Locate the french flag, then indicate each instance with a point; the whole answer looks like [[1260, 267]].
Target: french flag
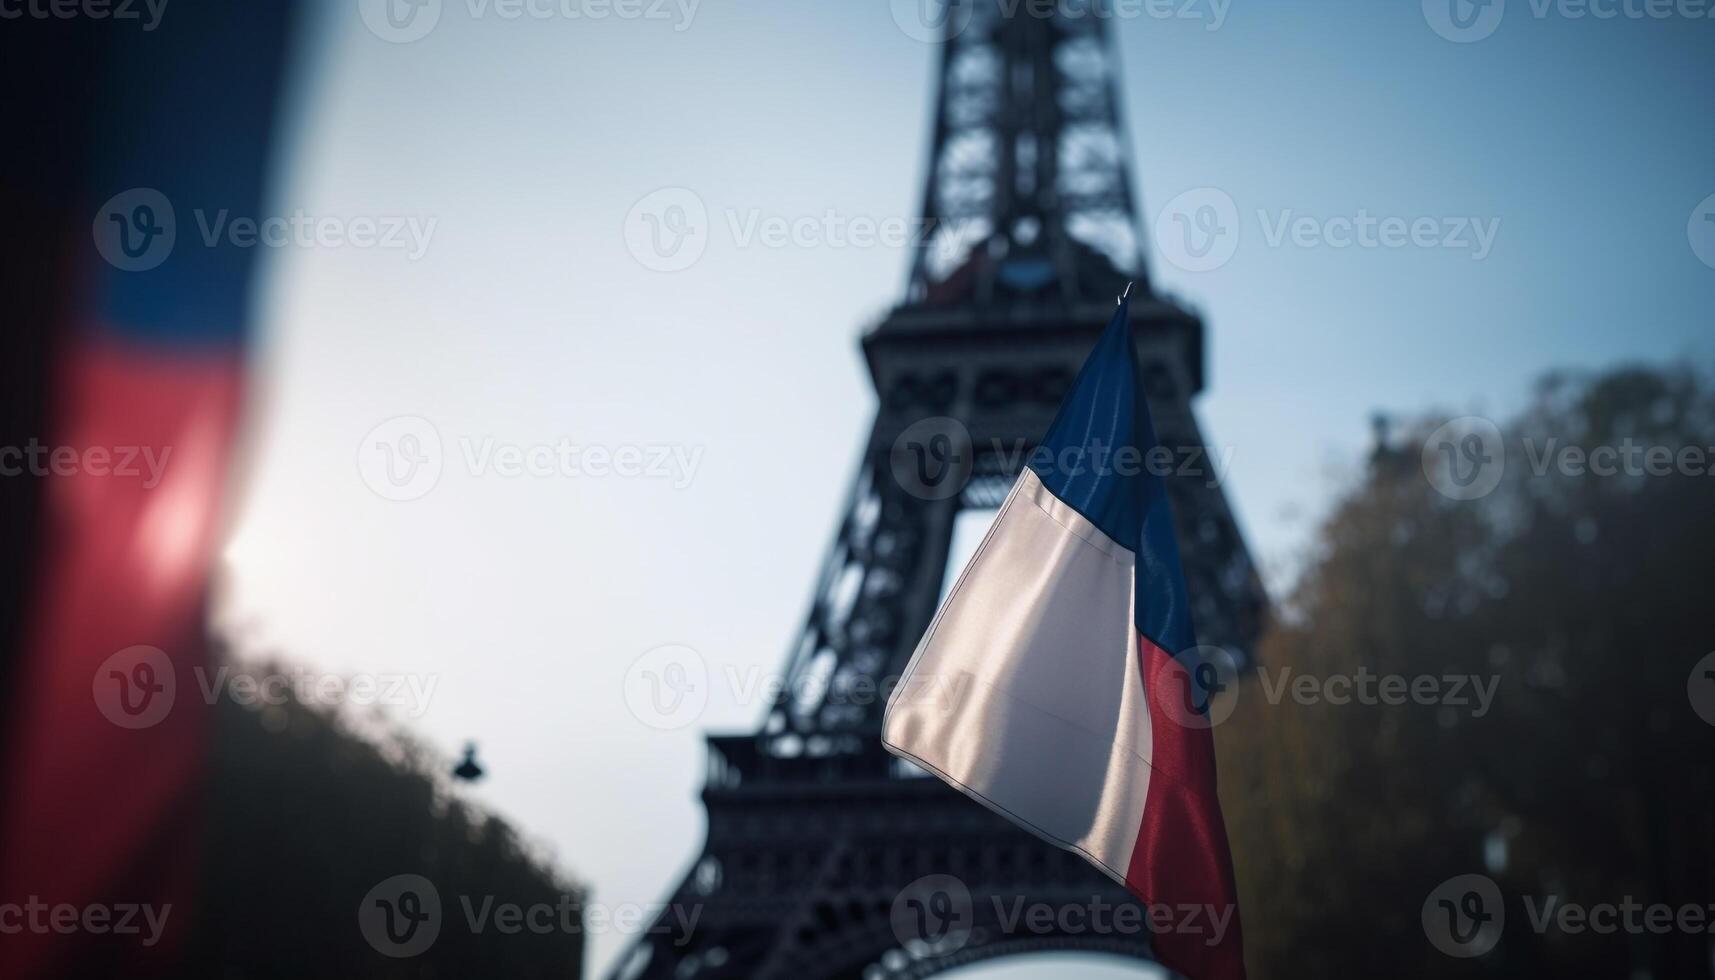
[[105, 734], [1085, 719]]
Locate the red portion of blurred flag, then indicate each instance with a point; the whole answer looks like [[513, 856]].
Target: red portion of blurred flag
[[134, 370], [107, 734]]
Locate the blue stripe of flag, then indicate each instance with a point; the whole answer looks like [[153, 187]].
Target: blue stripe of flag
[[1080, 461]]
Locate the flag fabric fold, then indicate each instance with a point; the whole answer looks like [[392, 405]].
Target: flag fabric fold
[[106, 732], [1084, 716]]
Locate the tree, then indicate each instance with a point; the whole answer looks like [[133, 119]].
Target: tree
[[1580, 588], [306, 816]]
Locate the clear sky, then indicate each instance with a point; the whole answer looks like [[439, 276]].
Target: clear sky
[[1583, 146]]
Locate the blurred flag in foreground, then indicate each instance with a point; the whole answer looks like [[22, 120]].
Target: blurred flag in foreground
[[1088, 720], [141, 372]]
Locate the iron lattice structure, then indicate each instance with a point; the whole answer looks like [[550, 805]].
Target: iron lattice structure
[[814, 830]]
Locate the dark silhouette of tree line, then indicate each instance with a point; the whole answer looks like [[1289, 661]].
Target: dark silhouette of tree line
[[1587, 601], [306, 815]]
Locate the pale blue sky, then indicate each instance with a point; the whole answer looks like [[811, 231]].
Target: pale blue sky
[[527, 320]]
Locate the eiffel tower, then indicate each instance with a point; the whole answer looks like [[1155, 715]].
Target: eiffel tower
[[826, 856]]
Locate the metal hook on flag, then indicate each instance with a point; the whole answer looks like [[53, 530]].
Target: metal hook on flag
[[1123, 295]]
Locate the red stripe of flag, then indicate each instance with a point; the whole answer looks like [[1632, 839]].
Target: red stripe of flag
[[1181, 857]]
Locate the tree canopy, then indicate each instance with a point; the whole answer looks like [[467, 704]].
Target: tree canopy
[[1579, 589]]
